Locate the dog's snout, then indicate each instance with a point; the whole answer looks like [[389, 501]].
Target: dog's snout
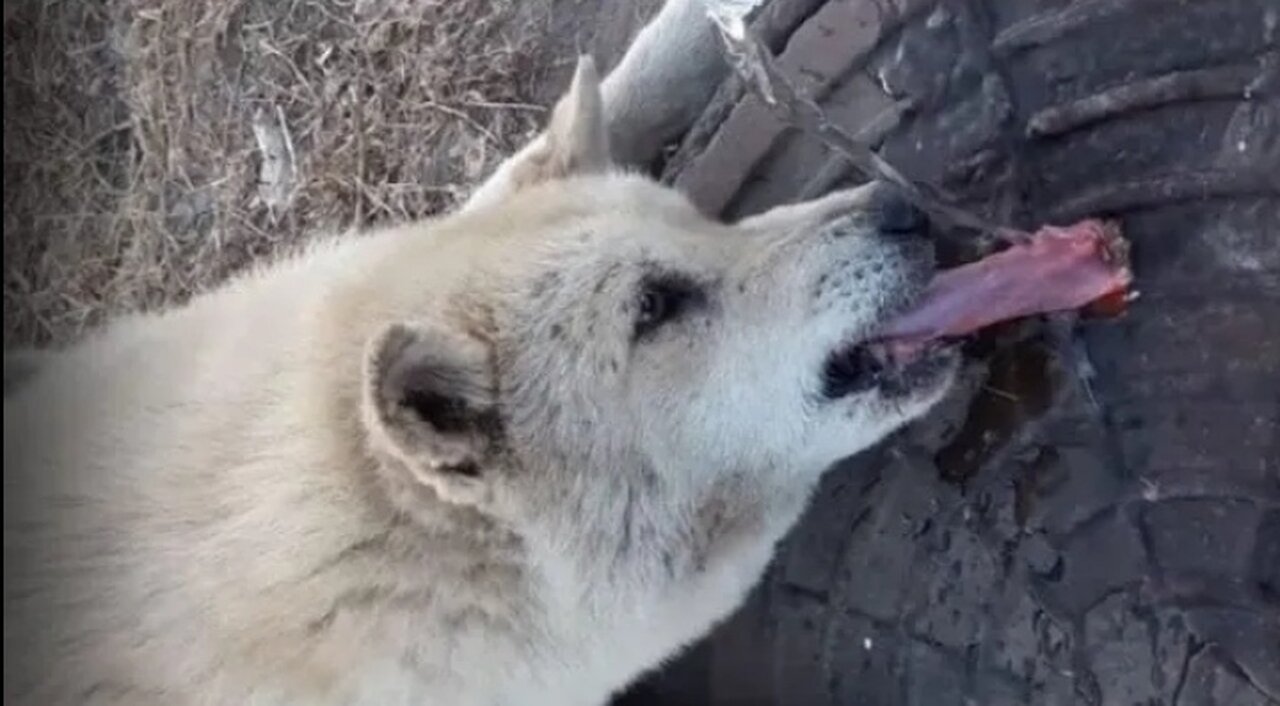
[[895, 214]]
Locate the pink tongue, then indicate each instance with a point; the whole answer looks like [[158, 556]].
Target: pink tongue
[[1056, 269]]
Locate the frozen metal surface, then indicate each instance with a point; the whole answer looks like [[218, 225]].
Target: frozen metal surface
[[1094, 517]]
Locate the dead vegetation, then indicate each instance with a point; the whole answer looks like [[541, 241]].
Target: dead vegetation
[[152, 147]]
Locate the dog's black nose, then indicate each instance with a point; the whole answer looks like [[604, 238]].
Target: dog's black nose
[[896, 215]]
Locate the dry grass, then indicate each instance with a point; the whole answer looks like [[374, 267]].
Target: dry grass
[[135, 131]]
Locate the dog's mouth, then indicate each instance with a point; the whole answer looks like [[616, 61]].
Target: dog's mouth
[[890, 367], [894, 369], [1055, 269]]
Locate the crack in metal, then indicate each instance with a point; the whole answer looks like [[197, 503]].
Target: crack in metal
[[1194, 647]]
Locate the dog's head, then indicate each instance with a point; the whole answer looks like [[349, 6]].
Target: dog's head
[[609, 361]]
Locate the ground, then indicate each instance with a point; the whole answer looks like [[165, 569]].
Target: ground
[[153, 148]]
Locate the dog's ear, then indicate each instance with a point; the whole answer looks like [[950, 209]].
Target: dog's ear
[[576, 140], [429, 403]]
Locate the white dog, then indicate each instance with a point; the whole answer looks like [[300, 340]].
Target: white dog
[[518, 455]]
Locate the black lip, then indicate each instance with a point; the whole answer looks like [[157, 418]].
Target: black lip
[[851, 370], [860, 368], [922, 373]]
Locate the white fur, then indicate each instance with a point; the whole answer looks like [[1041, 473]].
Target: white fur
[[436, 463]]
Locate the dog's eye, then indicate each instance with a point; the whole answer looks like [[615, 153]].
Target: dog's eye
[[657, 306], [661, 301]]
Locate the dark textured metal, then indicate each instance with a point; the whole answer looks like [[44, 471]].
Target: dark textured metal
[[1115, 538]]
